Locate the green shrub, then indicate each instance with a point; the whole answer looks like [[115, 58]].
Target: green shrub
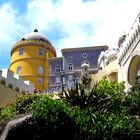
[[103, 97], [54, 120], [17, 89], [3, 82], [10, 86], [22, 105], [84, 123], [99, 113]]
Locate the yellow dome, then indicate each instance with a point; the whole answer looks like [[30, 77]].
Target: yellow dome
[[30, 59]]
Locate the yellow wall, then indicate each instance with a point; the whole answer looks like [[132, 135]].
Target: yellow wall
[[7, 95], [30, 61], [110, 71]]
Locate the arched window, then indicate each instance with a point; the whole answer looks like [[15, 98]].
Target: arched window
[[70, 67], [18, 71], [21, 50], [40, 70], [57, 69], [41, 52], [40, 80]]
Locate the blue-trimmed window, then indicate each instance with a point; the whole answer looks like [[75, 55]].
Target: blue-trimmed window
[[41, 52], [18, 71], [21, 51], [40, 80]]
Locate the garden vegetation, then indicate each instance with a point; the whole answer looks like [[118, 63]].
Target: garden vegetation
[[102, 112]]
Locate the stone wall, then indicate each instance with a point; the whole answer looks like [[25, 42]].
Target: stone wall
[[16, 81]]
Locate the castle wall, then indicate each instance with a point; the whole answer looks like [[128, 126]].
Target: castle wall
[[16, 81], [129, 56]]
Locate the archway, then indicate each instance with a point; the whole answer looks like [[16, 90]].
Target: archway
[[133, 69]]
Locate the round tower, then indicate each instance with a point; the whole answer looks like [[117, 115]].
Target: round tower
[[30, 59]]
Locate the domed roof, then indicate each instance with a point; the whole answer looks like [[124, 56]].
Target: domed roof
[[84, 65], [35, 36]]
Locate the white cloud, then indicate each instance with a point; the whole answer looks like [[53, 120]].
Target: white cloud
[[99, 22], [108, 19]]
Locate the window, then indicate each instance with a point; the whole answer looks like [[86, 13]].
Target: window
[[41, 52], [57, 69], [57, 81], [70, 58], [21, 50], [18, 70], [40, 70], [70, 68], [40, 80], [84, 55]]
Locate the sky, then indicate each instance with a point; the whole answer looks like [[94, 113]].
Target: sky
[[66, 23]]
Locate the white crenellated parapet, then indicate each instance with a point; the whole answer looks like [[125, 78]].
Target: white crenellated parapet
[[16, 81], [131, 40], [107, 56]]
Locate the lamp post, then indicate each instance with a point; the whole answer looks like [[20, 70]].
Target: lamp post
[[62, 75], [76, 79]]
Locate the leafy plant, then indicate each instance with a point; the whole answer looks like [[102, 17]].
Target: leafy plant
[[132, 100], [86, 81], [22, 105]]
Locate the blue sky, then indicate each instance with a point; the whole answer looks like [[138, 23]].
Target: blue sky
[[73, 23]]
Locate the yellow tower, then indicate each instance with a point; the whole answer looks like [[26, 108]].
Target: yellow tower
[[30, 58]]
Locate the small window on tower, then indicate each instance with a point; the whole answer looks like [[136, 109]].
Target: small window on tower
[[70, 58], [57, 69], [21, 50], [41, 52], [70, 67], [57, 81], [84, 55], [40, 80], [40, 70], [18, 70]]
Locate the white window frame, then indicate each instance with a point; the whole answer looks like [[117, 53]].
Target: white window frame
[[21, 51], [18, 71], [40, 70], [70, 67]]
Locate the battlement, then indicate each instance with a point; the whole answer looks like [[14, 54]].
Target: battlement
[[16, 81], [131, 41]]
